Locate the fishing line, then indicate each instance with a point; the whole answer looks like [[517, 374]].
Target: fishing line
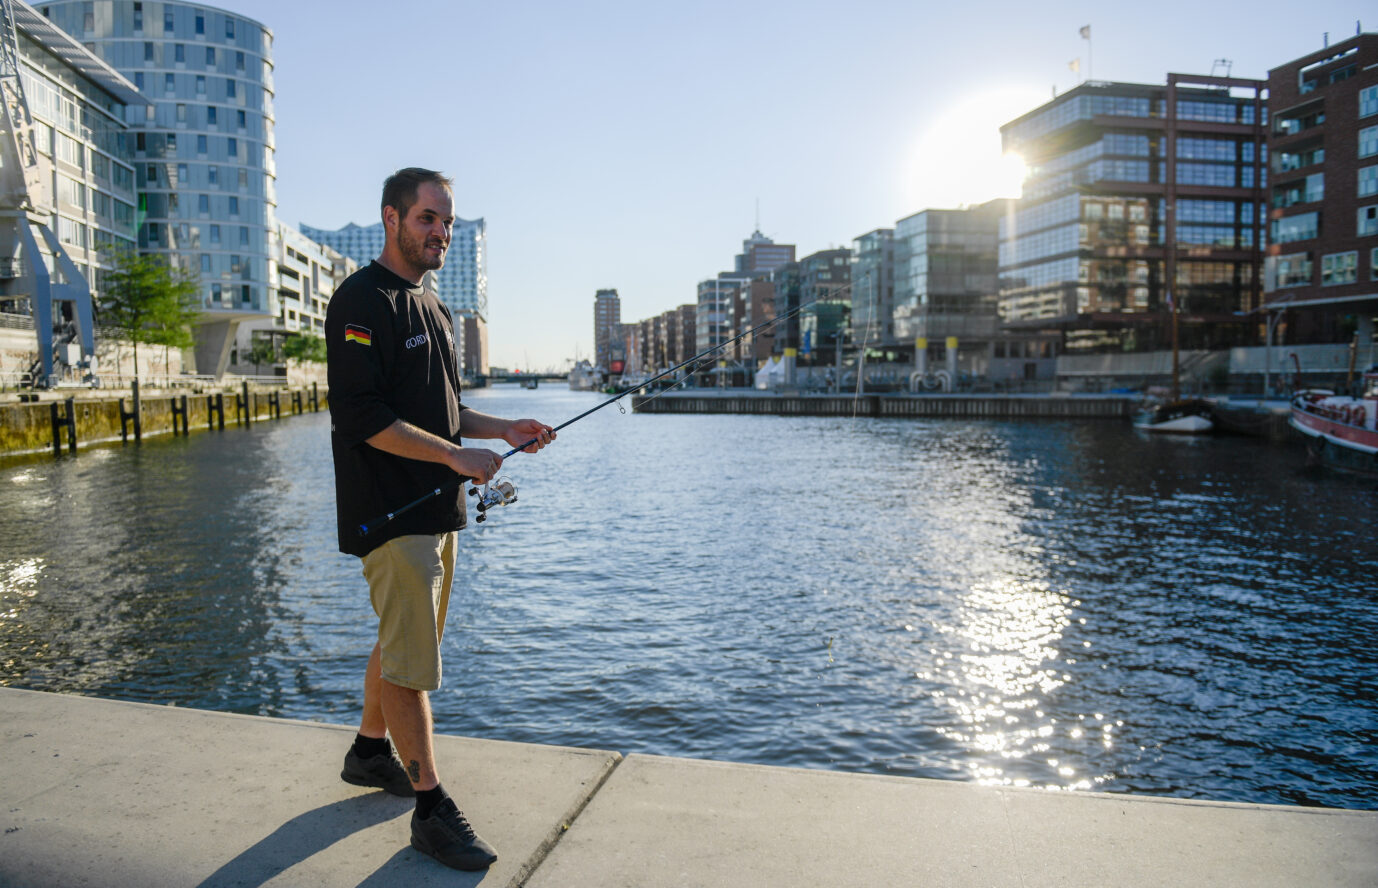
[[489, 499]]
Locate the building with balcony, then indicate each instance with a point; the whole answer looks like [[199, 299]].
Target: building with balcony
[[824, 286], [202, 151], [1321, 273], [308, 274], [1138, 195], [462, 284]]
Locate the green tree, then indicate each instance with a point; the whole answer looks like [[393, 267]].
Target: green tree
[[305, 348], [262, 352], [150, 301]]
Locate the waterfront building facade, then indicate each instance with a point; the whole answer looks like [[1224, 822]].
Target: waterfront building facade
[[824, 289], [607, 327], [462, 284], [203, 150], [945, 284], [713, 322], [86, 188], [1321, 273], [308, 274], [1138, 195], [873, 289]]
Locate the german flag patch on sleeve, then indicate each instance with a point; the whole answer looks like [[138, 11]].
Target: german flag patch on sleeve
[[361, 335]]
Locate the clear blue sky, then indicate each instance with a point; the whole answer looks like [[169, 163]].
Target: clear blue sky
[[626, 144]]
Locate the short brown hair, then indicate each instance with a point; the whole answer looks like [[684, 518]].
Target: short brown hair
[[399, 191]]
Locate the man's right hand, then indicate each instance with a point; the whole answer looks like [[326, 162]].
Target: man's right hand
[[476, 463]]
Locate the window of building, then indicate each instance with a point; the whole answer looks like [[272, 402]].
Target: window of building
[[203, 204], [1368, 220], [243, 178], [213, 175], [211, 115], [200, 23], [181, 113], [210, 56], [1295, 228], [1339, 268], [239, 61], [152, 174], [233, 147], [230, 89], [1368, 101], [205, 263], [167, 20], [1368, 141], [242, 119], [243, 236], [148, 52], [179, 54], [200, 144], [138, 16], [1344, 73], [172, 143], [182, 177], [1368, 181], [234, 206], [215, 234], [169, 84], [200, 84], [139, 80], [88, 18], [229, 28]]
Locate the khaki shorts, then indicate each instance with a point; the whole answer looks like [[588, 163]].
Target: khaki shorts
[[409, 583]]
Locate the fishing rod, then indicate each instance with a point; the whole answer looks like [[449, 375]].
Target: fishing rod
[[501, 491]]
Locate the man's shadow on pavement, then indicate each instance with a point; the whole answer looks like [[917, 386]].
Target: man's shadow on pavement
[[313, 831]]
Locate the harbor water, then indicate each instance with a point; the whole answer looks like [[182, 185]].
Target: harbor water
[[1060, 604]]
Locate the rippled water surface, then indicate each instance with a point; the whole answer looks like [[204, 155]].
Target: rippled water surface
[[1065, 605]]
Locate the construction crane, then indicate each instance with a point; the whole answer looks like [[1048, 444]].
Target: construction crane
[[26, 177]]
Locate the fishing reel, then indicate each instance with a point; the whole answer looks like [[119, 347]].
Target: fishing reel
[[497, 492]]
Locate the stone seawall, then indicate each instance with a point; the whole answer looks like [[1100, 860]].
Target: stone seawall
[[49, 420]]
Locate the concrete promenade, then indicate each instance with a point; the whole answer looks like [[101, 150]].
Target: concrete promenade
[[104, 793]]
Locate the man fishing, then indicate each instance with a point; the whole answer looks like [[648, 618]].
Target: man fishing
[[396, 427]]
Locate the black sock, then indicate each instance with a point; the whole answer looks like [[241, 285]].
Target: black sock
[[427, 799], [368, 747]]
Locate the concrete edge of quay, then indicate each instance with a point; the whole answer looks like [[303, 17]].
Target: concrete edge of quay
[[106, 792]]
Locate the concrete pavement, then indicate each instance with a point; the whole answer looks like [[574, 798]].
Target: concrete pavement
[[105, 793]]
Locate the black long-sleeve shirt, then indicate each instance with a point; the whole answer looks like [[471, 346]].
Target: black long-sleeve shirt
[[391, 353]]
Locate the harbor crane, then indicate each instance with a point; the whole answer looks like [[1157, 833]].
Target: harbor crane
[[26, 182]]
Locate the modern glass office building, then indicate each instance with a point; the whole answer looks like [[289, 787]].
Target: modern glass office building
[[1138, 195], [203, 151], [462, 284]]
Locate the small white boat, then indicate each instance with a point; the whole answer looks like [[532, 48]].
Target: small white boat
[[585, 377], [1187, 416]]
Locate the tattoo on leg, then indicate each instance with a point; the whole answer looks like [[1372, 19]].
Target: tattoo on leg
[[414, 771]]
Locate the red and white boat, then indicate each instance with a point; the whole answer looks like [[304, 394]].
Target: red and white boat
[[1342, 431]]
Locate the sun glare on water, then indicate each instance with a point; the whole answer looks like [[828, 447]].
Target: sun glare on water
[[958, 160]]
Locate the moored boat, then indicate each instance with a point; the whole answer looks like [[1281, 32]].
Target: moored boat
[[584, 377], [1184, 416], [1341, 431]]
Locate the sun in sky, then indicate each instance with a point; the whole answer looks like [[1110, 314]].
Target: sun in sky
[[957, 158]]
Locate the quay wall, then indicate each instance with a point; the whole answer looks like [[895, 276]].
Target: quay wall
[[900, 406], [51, 421]]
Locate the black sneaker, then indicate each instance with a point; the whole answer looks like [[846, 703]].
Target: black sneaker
[[449, 838], [382, 771]]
